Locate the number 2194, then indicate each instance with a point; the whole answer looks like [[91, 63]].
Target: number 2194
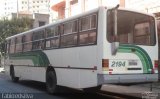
[[118, 64]]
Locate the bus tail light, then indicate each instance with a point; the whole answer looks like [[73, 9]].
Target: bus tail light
[[105, 64], [156, 63]]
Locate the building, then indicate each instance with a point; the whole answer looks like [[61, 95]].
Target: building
[[67, 8], [38, 19], [7, 7], [149, 6], [38, 10], [27, 6]]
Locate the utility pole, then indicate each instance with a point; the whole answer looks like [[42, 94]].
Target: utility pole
[[28, 6], [17, 10]]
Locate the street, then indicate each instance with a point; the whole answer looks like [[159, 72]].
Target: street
[[37, 90]]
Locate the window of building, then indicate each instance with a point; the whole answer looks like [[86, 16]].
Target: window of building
[[41, 23], [73, 2]]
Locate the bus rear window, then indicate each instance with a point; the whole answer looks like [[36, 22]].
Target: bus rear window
[[132, 28]]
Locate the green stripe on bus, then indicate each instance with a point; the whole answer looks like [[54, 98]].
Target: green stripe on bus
[[38, 58], [141, 53]]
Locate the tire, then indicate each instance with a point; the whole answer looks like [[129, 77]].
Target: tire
[[12, 73], [51, 82], [93, 89]]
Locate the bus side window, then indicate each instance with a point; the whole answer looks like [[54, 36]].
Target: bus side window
[[56, 38], [27, 44], [49, 34], [12, 46], [8, 46], [38, 40], [52, 40], [87, 30], [18, 47], [70, 35]]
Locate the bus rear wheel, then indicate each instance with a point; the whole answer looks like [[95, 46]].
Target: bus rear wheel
[[51, 82], [12, 73]]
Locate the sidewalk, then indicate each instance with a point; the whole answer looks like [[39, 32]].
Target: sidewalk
[[134, 90]]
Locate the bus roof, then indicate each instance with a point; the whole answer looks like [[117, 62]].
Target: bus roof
[[73, 17]]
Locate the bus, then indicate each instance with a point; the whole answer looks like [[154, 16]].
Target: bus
[[101, 46], [158, 32]]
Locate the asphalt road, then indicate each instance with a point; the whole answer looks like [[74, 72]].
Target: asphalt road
[[36, 90]]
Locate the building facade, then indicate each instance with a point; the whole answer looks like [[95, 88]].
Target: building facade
[[38, 19], [24, 6], [67, 8], [149, 6]]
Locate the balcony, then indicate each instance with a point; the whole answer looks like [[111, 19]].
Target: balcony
[[58, 5]]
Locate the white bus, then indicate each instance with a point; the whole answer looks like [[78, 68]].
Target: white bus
[[104, 45]]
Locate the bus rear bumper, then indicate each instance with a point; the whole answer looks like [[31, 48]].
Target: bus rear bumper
[[126, 78]]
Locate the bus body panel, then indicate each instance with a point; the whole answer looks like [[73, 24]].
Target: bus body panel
[[72, 67], [25, 69], [123, 57]]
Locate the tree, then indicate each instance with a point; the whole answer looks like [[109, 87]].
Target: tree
[[12, 27]]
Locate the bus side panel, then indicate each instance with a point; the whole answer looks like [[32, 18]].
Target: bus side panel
[[74, 66], [88, 78], [88, 59], [25, 69], [61, 59], [6, 66], [38, 73], [68, 77]]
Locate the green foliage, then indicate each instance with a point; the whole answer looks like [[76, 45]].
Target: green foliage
[[13, 26]]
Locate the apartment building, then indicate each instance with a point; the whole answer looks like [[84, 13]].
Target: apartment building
[[149, 6], [38, 19], [67, 8], [24, 6], [38, 10]]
